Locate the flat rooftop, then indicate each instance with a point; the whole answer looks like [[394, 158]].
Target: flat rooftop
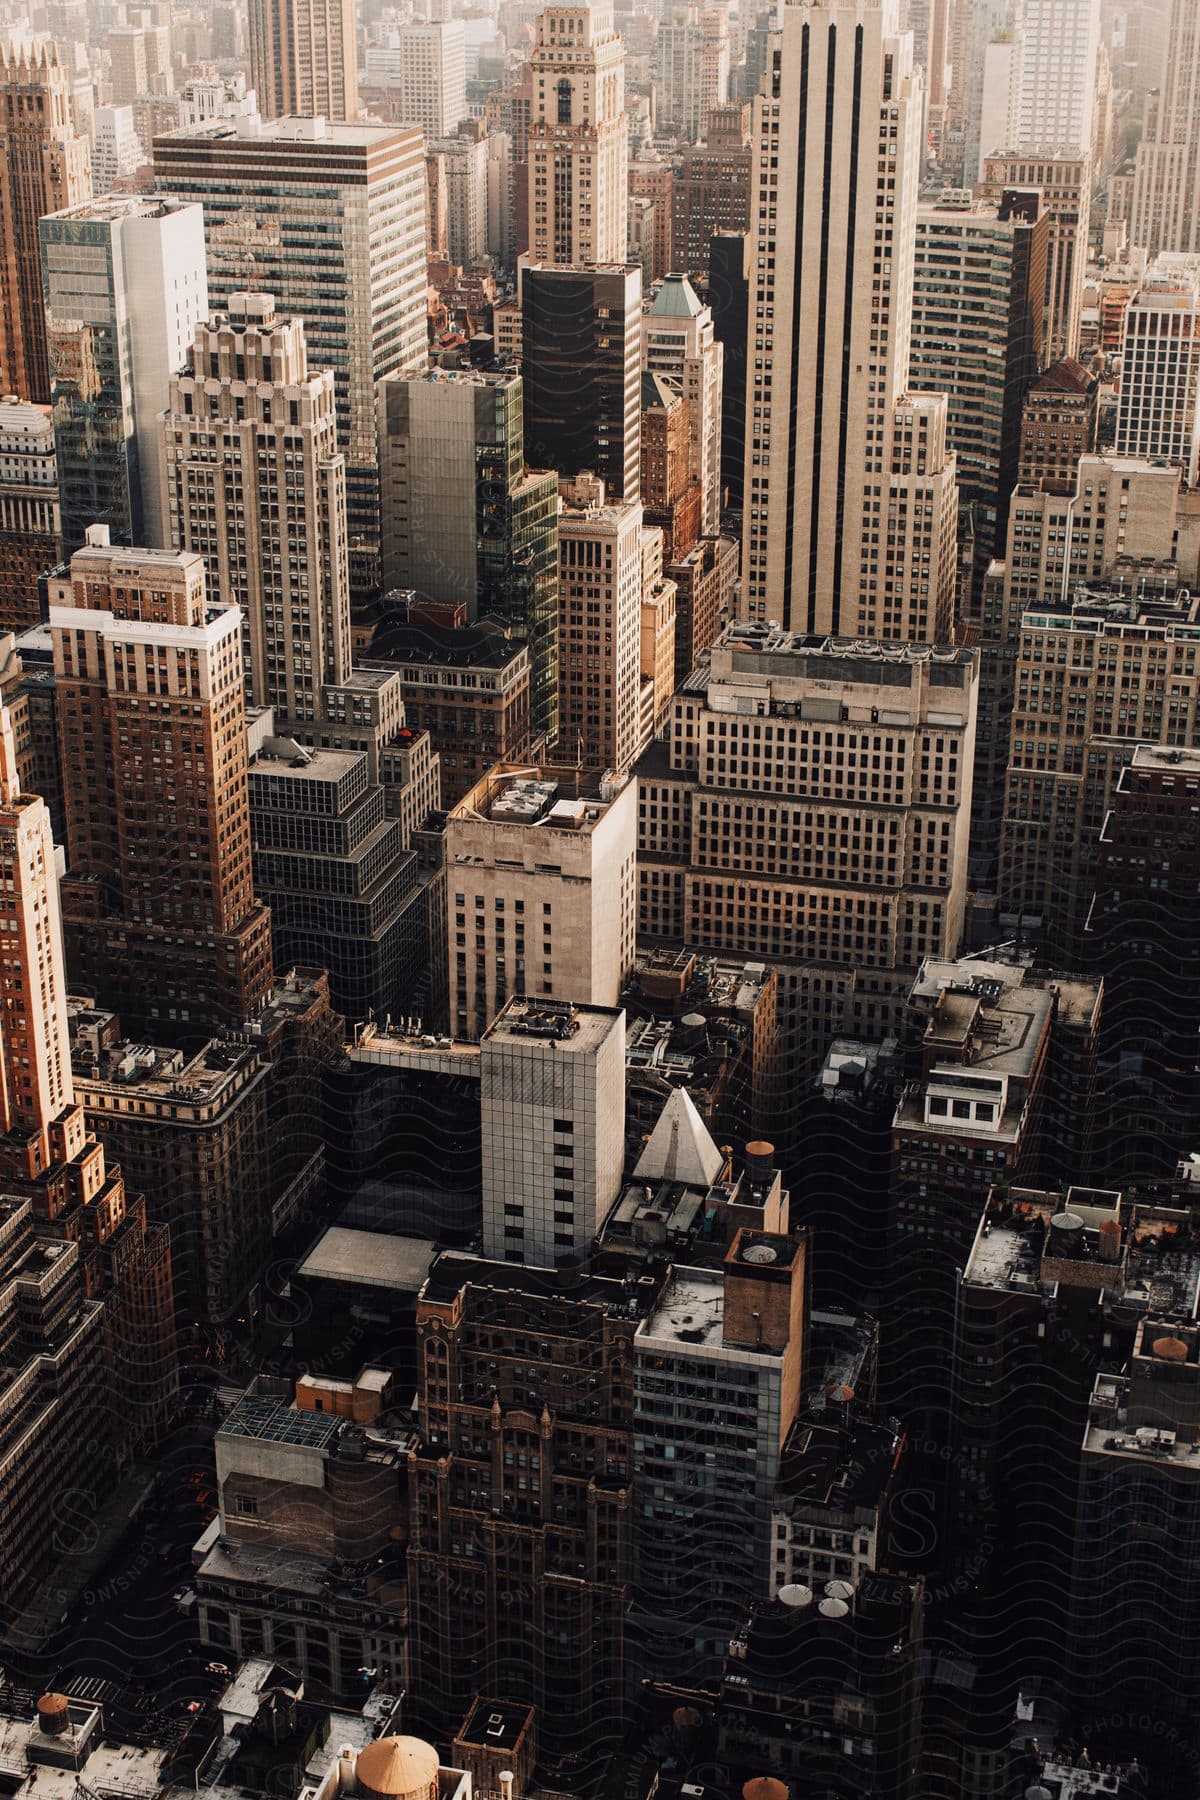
[[304, 133], [545, 795], [571, 1028], [1145, 756], [369, 1259], [538, 1288], [274, 1419], [690, 1310], [104, 208]]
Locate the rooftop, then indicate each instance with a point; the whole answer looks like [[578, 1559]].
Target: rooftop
[[304, 133], [1028, 1241], [690, 1311], [368, 1258], [104, 208], [468, 646], [537, 1291], [274, 1419], [558, 799], [561, 1023]]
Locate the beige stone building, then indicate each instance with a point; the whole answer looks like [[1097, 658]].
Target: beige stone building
[[1065, 179], [850, 495], [810, 807], [600, 570], [1166, 186], [578, 144], [253, 479], [303, 58], [540, 872]]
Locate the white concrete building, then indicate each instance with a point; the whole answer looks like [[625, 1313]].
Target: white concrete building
[[1158, 415], [116, 148], [1054, 74], [540, 891], [424, 67], [552, 1094]]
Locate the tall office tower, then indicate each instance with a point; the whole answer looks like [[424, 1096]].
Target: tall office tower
[[45, 165], [1141, 935], [1054, 77], [729, 296], [578, 143], [599, 627], [159, 906], [691, 66], [670, 495], [30, 522], [304, 58], [1166, 184], [1127, 678], [1065, 179], [116, 147], [979, 280], [253, 481], [1058, 429], [423, 67], [681, 346], [554, 1637], [552, 1094], [125, 287], [652, 179], [929, 22], [285, 200], [850, 501], [1134, 1614], [581, 354], [49, 1157], [976, 25], [703, 1520], [846, 924], [337, 874], [464, 520], [540, 869], [1158, 405], [460, 166], [710, 194], [128, 74]]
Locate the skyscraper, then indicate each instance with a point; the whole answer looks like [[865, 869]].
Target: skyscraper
[[304, 58], [1158, 404], [600, 554], [124, 288], [254, 481], [681, 347], [423, 69], [581, 353], [330, 219], [45, 165], [1065, 179], [838, 454], [578, 144], [978, 288], [1166, 186], [48, 1156], [30, 524], [464, 520], [1054, 76], [160, 912]]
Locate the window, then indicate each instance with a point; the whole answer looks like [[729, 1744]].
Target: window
[[247, 1506]]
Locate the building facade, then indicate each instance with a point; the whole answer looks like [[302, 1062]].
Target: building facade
[[124, 285], [849, 498], [1165, 208], [577, 147], [600, 586], [540, 891], [581, 352], [159, 905], [290, 203], [254, 482], [44, 167], [304, 58], [30, 519]]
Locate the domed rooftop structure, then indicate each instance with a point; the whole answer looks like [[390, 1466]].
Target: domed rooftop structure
[[399, 1768]]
